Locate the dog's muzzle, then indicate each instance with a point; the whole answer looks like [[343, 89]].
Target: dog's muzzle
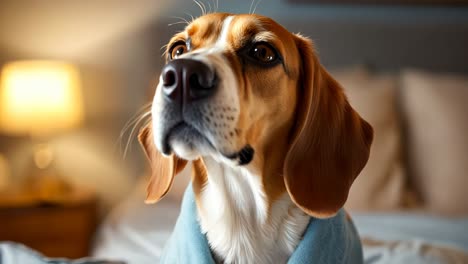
[[188, 87], [187, 80], [186, 84]]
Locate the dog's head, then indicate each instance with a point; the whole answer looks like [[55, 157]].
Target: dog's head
[[246, 92]]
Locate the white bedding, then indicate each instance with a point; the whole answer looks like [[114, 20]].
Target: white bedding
[[413, 238], [136, 233]]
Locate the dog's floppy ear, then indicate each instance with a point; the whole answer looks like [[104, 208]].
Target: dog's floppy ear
[[330, 142], [163, 168]]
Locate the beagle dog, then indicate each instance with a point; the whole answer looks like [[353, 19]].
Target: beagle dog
[[271, 135]]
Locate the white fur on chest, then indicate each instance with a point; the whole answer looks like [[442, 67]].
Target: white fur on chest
[[233, 215]]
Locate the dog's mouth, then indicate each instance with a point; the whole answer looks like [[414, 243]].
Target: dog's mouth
[[184, 132], [243, 156], [191, 136]]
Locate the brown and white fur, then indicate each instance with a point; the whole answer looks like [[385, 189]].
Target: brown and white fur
[[273, 143]]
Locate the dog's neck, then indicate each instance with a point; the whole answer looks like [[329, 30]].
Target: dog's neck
[[241, 220]]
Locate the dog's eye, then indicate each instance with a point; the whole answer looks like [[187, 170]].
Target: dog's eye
[[177, 50], [263, 53]]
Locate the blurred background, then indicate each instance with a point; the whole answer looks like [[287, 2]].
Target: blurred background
[[402, 63]]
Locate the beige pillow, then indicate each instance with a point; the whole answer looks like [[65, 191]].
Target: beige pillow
[[436, 111], [381, 184]]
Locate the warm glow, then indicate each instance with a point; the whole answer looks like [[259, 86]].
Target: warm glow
[[39, 97]]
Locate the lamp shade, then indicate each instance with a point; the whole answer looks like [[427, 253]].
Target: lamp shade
[[39, 97]]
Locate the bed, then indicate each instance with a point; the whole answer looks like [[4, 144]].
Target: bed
[[136, 233]]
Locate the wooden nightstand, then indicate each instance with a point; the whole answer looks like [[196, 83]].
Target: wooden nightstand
[[59, 229]]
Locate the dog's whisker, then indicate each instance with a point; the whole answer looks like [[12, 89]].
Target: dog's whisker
[[251, 5], [198, 4], [132, 119], [134, 129], [122, 134], [191, 17], [131, 122], [163, 47], [209, 7], [165, 50], [215, 5], [213, 10], [181, 19], [124, 130], [127, 126], [204, 7], [255, 8], [184, 19], [176, 23], [201, 7]]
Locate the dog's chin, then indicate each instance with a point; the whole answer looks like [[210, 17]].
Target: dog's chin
[[185, 141], [184, 151], [188, 143]]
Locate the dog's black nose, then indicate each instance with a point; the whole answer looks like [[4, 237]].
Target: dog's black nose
[[187, 80]]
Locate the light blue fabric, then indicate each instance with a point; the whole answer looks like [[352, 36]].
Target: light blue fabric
[[330, 241]]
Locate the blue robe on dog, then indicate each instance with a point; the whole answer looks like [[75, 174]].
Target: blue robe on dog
[[325, 241]]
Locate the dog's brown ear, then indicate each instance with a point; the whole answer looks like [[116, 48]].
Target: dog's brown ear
[[163, 169], [330, 142]]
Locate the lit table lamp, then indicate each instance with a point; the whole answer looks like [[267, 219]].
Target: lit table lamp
[[40, 99]]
